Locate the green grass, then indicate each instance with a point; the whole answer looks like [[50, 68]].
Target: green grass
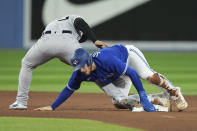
[[179, 68], [52, 124]]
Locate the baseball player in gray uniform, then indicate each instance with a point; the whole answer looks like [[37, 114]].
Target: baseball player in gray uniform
[[59, 40]]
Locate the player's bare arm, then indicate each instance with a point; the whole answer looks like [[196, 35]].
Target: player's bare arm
[[101, 44]]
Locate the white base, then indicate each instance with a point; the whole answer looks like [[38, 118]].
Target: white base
[[158, 108]]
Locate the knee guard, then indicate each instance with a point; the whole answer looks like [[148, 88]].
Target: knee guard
[[124, 104]]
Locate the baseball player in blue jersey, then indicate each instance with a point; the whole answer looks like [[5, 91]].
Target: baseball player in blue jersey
[[59, 40], [110, 69]]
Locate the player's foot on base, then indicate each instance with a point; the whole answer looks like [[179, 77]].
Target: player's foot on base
[[17, 106], [179, 100]]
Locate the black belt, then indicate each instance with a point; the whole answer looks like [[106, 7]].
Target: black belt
[[63, 31]]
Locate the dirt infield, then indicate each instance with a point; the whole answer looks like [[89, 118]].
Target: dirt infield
[[99, 107]]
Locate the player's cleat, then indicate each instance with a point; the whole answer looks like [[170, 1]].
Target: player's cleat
[[17, 106], [179, 100]]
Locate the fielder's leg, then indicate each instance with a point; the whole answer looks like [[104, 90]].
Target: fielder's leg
[[138, 62], [61, 46], [31, 60]]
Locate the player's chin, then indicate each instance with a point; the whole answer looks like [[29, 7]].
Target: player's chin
[[87, 73]]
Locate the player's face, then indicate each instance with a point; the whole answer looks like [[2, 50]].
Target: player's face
[[86, 69]]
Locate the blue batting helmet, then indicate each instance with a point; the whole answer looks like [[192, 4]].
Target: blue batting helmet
[[80, 58]]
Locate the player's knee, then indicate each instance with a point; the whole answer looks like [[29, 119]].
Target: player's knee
[[121, 104], [26, 64]]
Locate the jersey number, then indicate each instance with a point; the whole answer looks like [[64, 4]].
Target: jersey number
[[95, 54]]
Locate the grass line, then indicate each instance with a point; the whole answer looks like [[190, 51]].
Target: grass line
[[179, 68], [52, 124]]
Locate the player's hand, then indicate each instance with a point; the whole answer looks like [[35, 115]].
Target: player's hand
[[149, 107], [101, 44], [46, 108]]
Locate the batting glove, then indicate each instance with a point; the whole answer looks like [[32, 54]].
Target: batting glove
[[149, 107]]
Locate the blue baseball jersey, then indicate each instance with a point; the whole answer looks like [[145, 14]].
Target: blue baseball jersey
[[110, 64]]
